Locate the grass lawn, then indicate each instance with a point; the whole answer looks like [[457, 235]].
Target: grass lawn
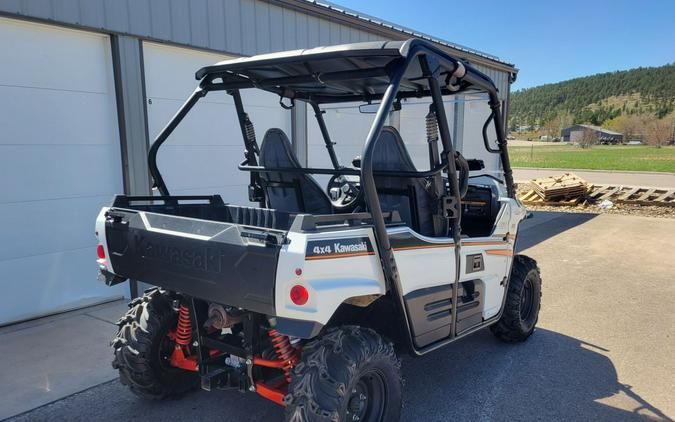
[[600, 157]]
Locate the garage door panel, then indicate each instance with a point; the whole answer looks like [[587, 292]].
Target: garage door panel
[[207, 124], [51, 282], [346, 126], [38, 172], [170, 71], [68, 217], [265, 118], [44, 116], [60, 161], [191, 167], [216, 123], [41, 59]]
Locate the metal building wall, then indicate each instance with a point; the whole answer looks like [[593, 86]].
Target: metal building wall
[[243, 27]]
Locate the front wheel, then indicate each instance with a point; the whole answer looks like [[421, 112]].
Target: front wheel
[[348, 374], [523, 300]]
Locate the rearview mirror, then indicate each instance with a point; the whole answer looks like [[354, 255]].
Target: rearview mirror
[[369, 108], [373, 107]]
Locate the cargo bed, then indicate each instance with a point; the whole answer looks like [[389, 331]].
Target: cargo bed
[[198, 246]]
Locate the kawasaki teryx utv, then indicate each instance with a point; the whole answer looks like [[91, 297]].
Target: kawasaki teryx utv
[[305, 297]]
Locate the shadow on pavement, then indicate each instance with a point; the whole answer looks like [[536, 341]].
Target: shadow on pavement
[[544, 225], [549, 377]]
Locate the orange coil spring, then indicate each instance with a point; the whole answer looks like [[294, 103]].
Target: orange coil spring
[[285, 352], [184, 327]]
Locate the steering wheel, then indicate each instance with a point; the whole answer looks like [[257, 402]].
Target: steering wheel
[[343, 192]]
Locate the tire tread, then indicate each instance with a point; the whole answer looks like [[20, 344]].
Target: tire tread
[[508, 328]]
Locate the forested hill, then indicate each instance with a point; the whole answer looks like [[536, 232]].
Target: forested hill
[[595, 99]]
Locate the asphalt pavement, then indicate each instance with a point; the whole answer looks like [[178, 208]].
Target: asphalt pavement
[[603, 350]]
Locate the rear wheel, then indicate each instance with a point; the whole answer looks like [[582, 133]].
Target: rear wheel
[[523, 301], [142, 349], [348, 374]]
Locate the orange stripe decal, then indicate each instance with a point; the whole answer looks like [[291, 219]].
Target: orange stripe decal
[[502, 252], [484, 243], [440, 245], [339, 255]]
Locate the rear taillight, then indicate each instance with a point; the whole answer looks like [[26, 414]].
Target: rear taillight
[[299, 295], [100, 252]]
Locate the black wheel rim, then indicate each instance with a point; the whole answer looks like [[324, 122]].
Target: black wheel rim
[[527, 300], [164, 350], [367, 400]]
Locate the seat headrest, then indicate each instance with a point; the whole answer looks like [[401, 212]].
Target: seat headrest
[[276, 150], [390, 152]]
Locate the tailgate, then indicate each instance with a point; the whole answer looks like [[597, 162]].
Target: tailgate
[[225, 263]]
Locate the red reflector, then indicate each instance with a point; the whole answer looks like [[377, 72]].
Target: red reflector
[[299, 295], [100, 252], [298, 271]]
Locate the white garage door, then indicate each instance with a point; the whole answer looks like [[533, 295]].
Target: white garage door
[[202, 154], [59, 163]]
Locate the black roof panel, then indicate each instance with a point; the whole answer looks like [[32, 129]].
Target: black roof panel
[[341, 72]]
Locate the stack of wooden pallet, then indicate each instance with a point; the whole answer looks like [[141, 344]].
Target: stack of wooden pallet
[[565, 186], [566, 189]]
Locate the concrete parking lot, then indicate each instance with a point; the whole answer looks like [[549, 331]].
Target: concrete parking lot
[[603, 350]]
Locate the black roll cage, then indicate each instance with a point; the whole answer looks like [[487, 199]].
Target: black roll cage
[[435, 64]]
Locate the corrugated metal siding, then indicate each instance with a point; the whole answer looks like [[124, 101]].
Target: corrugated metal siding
[[500, 79], [241, 27]]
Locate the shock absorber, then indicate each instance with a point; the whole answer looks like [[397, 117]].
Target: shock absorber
[[286, 353], [432, 136], [184, 326]]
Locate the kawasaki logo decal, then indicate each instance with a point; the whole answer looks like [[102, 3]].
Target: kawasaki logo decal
[[338, 248]]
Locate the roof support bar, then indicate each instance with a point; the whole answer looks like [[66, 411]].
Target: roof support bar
[[164, 134], [373, 202], [430, 68], [318, 113]]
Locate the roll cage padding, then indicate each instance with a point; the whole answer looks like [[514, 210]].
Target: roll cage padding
[[285, 191]]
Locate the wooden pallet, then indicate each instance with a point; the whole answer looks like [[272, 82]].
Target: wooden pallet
[[634, 195], [532, 198], [564, 187]]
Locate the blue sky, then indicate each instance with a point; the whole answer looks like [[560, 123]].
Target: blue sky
[[549, 41]]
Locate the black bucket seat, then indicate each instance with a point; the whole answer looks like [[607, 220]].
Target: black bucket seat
[[286, 191]]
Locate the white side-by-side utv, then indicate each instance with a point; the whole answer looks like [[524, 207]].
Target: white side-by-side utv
[[308, 295]]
